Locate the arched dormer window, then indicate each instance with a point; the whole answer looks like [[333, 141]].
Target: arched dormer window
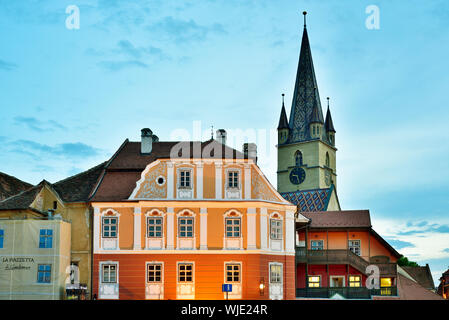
[[328, 163], [298, 158]]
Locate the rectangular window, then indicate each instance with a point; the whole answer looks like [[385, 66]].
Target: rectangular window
[[185, 227], [275, 273], [44, 273], [316, 245], [232, 227], [45, 238], [233, 179], [154, 273], [184, 178], [2, 237], [109, 227], [154, 227], [109, 273], [355, 281], [232, 272], [275, 229], [354, 246], [385, 286], [185, 272], [314, 281]]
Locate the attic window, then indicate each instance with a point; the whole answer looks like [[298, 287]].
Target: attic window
[[55, 205]]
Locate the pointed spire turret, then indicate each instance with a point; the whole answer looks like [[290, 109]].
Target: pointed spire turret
[[283, 122], [328, 124], [306, 97]]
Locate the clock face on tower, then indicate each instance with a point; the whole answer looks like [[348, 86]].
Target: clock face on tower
[[297, 175]]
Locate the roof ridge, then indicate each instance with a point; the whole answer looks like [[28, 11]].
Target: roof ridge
[[78, 174], [39, 185]]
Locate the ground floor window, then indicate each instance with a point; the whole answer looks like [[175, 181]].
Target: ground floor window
[[275, 273], [314, 281], [232, 272], [385, 286], [185, 272], [44, 273], [154, 272], [109, 272], [355, 281]]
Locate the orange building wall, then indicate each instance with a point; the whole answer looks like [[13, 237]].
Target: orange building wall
[[209, 274]]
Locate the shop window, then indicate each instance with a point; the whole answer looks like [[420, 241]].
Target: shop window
[[314, 281], [355, 281]]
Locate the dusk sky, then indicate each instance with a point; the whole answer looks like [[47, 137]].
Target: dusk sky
[[70, 97]]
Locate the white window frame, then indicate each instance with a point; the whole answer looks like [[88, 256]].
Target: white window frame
[[155, 242], [316, 276], [114, 286], [276, 244], [183, 192], [186, 242], [51, 272], [355, 275], [233, 242], [102, 273], [178, 264], [154, 263], [280, 276], [359, 247], [115, 214], [233, 192]]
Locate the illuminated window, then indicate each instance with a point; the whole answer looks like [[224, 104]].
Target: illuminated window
[[232, 227], [44, 273], [154, 227], [109, 273], [314, 281], [45, 238], [232, 272], [185, 227], [233, 179], [316, 245], [354, 246], [184, 179], [109, 227], [385, 286], [275, 273], [355, 281], [154, 272], [276, 229], [328, 162], [185, 272]]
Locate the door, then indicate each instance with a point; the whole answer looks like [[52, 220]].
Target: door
[[276, 285], [337, 281]]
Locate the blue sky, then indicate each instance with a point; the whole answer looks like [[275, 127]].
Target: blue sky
[[70, 97]]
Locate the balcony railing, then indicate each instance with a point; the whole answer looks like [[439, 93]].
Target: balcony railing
[[336, 256], [342, 256], [345, 292]]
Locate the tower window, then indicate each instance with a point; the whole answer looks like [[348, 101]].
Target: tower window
[[327, 160], [298, 158]]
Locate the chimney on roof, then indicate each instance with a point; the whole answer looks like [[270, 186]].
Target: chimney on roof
[[221, 136], [146, 144], [155, 138], [250, 151]]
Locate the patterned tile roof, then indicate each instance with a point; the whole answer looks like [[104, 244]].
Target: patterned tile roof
[[10, 186], [309, 200]]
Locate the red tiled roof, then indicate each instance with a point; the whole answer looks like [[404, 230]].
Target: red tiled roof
[[125, 167], [10, 186], [339, 219]]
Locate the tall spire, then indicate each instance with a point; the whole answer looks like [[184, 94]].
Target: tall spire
[[283, 122], [305, 95], [328, 124]]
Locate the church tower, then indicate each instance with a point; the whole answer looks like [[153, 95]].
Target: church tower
[[306, 142]]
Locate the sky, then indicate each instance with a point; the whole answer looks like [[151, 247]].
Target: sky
[[70, 96]]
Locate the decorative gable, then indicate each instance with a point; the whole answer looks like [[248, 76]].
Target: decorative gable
[[153, 182]]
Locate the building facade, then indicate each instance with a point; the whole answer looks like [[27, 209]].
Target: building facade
[[34, 258], [180, 227]]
